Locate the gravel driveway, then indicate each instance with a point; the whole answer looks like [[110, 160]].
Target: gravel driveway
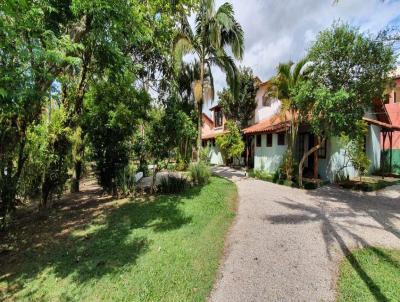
[[286, 243]]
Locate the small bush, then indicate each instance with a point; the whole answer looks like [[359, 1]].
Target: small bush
[[181, 165], [172, 185], [200, 173], [125, 180]]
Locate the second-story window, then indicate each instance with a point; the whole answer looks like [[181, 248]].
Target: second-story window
[[218, 117], [267, 101]]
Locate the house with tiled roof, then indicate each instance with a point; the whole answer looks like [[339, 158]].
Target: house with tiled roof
[[266, 140], [213, 126]]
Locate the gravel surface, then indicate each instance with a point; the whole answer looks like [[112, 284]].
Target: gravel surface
[[286, 243]]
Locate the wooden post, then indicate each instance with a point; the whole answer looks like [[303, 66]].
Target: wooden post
[[383, 159]]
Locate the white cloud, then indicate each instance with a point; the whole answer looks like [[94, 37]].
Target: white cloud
[[278, 31]]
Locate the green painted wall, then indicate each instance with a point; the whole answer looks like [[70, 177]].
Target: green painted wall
[[395, 160]]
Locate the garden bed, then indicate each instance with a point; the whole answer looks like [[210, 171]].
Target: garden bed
[[369, 183]]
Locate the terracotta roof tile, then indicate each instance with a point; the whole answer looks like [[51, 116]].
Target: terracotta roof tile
[[276, 123]]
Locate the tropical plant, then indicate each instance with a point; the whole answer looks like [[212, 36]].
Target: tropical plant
[[230, 143], [242, 107], [355, 149], [282, 86], [172, 184], [215, 29], [200, 173]]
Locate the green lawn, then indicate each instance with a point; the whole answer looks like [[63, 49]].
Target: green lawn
[[370, 274], [167, 249]]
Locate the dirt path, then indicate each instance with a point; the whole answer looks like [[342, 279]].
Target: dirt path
[[286, 243]]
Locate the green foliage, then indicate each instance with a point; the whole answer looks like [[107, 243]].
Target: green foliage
[[355, 149], [215, 30], [205, 153], [113, 109], [46, 167], [349, 70], [230, 143], [288, 166], [172, 184], [283, 87], [200, 173], [241, 108], [126, 180]]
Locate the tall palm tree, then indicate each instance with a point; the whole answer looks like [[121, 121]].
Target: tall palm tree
[[214, 30], [288, 75]]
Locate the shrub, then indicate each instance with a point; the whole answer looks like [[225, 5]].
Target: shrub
[[172, 184], [200, 173], [205, 153], [125, 180], [230, 143]]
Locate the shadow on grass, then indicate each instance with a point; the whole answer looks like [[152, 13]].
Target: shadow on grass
[[102, 249], [381, 209]]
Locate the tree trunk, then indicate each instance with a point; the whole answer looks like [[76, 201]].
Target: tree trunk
[[305, 156], [76, 177]]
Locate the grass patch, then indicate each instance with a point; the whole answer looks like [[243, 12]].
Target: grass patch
[[370, 274], [165, 249]]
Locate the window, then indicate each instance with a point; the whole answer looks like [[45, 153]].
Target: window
[[281, 139], [322, 151], [258, 140], [267, 101], [269, 140], [387, 97], [218, 118]]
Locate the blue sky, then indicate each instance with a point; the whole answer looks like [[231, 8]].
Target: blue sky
[[278, 31]]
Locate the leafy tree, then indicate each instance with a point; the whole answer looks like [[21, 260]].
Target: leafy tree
[[241, 108], [33, 51], [215, 29], [113, 110], [349, 71], [46, 168], [230, 143], [171, 132]]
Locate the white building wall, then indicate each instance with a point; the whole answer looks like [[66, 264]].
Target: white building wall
[[336, 165], [215, 156], [268, 159]]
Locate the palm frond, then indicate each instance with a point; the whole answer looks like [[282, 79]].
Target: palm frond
[[182, 46], [211, 80], [231, 31], [299, 69], [227, 65]]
